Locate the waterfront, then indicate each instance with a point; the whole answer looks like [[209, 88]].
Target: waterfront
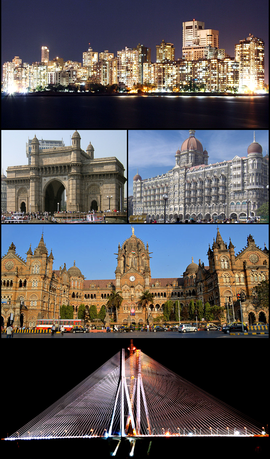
[[135, 112]]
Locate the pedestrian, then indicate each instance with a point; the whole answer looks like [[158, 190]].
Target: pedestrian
[[9, 331], [62, 330], [53, 330]]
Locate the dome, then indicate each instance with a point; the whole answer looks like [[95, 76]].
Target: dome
[[76, 135], [137, 177], [35, 140], [254, 147], [192, 143], [192, 268], [90, 147], [178, 153], [74, 271]]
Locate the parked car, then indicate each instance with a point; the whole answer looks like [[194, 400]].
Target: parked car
[[183, 328], [158, 328], [212, 327], [79, 330], [235, 327]]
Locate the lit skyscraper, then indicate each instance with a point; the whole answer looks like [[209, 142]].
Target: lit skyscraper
[[198, 42], [190, 32], [250, 55], [45, 54]]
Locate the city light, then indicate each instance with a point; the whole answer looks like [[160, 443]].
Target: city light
[[202, 69]]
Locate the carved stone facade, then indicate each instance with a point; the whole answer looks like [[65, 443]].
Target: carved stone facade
[[197, 190], [67, 174], [32, 289]]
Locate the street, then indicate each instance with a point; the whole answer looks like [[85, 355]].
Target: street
[[135, 335]]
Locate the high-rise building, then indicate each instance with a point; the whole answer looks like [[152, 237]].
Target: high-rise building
[[198, 42], [128, 67], [45, 54], [165, 52], [250, 55], [144, 56], [190, 32], [90, 58]]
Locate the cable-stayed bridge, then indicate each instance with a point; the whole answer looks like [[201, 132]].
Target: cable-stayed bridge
[[134, 398]]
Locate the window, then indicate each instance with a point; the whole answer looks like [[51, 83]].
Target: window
[[35, 269], [224, 263]]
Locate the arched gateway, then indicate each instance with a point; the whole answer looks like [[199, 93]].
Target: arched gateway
[[65, 178]]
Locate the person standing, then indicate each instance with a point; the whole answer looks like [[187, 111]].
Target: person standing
[[9, 332]]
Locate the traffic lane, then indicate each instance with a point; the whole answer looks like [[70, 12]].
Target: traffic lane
[[189, 335]]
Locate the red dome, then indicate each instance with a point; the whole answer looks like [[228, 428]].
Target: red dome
[[192, 143], [136, 178], [254, 147]]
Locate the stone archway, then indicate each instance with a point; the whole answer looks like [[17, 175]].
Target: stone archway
[[54, 196], [251, 318], [23, 207], [94, 205], [262, 317]]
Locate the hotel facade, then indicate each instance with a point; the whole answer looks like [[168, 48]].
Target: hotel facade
[[194, 189]]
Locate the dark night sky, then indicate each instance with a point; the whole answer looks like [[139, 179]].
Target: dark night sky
[[67, 26]]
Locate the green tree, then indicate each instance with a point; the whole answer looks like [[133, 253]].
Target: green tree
[[102, 313], [199, 309], [217, 312], [208, 315], [185, 313], [264, 210], [114, 302], [261, 294], [167, 310], [146, 298], [66, 312], [81, 312], [93, 312], [191, 310]]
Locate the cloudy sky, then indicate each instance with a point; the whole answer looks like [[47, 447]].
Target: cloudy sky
[[153, 152]]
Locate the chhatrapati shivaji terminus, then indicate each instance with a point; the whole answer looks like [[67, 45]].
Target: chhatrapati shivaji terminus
[[33, 289], [196, 190]]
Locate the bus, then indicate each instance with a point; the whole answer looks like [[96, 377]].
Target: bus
[[43, 324]]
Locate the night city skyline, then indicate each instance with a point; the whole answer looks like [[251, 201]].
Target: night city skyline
[[121, 25]]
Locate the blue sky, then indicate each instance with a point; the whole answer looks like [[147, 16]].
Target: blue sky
[[153, 152], [105, 143], [93, 246]]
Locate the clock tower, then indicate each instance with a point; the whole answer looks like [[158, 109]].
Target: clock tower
[[132, 273]]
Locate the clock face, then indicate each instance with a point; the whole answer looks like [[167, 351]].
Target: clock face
[[9, 264], [132, 278]]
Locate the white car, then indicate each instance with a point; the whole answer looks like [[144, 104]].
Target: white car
[[183, 328]]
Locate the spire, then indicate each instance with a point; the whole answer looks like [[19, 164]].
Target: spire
[[41, 248], [12, 247], [254, 137], [29, 251]]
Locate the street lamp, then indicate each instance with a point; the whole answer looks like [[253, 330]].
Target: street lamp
[[109, 197], [165, 197]]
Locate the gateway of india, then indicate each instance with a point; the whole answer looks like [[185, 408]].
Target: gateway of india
[[196, 190], [88, 183], [32, 289]]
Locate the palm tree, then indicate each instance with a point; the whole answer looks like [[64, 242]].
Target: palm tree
[[145, 299], [115, 301]]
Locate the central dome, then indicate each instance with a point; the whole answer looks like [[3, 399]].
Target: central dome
[[192, 144], [192, 268], [74, 271]]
